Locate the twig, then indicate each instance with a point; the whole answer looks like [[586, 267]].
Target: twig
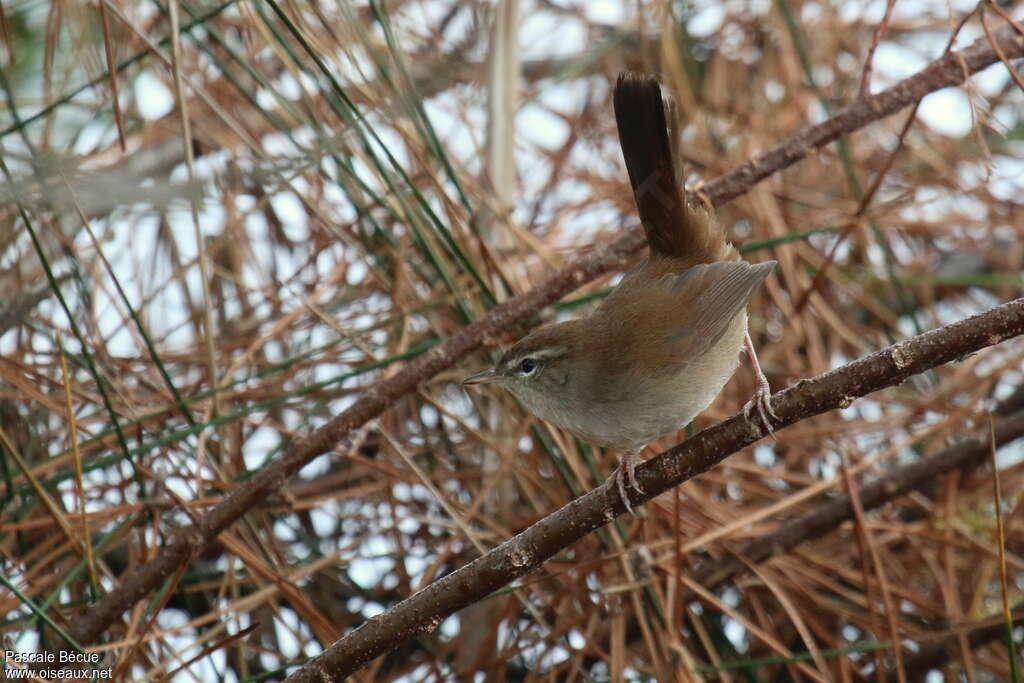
[[950, 69], [869, 61], [826, 517], [936, 654]]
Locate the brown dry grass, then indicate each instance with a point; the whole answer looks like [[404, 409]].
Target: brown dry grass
[[347, 226]]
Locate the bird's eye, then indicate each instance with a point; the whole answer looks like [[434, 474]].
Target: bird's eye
[[527, 366]]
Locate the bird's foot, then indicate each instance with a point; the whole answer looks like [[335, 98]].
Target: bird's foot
[[762, 398], [626, 471], [761, 401]]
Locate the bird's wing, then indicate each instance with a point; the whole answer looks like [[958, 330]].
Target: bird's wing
[[679, 317], [719, 291]]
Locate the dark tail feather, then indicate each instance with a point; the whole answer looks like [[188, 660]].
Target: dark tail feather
[[646, 122]]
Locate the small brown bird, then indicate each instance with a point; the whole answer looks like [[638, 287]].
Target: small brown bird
[[659, 349]]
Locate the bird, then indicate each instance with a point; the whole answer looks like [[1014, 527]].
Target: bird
[[658, 350]]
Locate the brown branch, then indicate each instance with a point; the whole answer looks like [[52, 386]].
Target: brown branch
[[951, 69], [423, 611], [824, 518], [937, 654], [869, 61]]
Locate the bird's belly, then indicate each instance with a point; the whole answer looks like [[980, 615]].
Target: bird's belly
[[661, 405]]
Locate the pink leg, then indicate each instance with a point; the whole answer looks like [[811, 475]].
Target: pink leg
[[762, 395], [626, 471]]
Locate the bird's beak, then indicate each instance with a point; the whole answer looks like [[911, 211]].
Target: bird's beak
[[482, 377]]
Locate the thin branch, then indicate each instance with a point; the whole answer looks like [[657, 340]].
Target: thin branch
[[424, 611], [937, 654], [951, 69], [824, 518]]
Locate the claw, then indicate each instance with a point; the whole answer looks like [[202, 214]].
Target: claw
[[626, 471], [617, 476], [761, 400]]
